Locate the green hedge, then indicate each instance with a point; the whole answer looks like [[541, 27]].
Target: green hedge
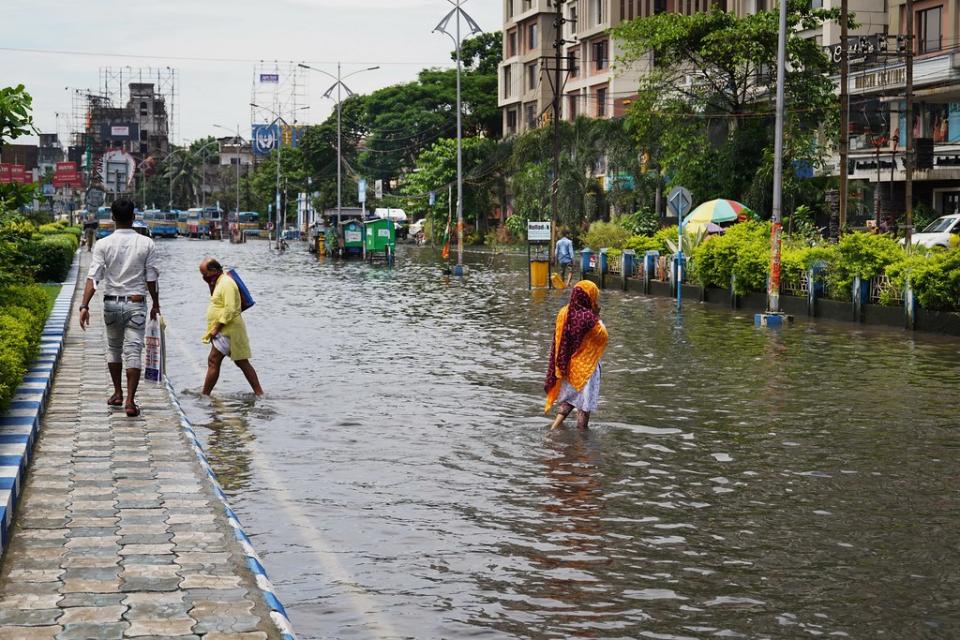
[[23, 312], [52, 256]]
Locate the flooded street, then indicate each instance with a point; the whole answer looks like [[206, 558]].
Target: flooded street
[[399, 481]]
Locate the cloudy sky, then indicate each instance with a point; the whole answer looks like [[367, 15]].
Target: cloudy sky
[[214, 45]]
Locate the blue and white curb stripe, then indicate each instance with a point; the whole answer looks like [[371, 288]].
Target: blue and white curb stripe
[[20, 425], [277, 613]]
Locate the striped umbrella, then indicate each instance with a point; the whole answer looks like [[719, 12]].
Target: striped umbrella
[[716, 212]]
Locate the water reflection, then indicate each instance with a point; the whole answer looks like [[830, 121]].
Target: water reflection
[[400, 480]]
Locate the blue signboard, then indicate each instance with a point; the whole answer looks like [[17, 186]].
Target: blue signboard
[[266, 138]]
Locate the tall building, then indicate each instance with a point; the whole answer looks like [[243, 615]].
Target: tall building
[[528, 36]]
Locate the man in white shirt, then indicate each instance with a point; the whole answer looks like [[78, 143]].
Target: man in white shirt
[[125, 265]]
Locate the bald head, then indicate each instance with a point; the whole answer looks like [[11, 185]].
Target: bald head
[[210, 267]]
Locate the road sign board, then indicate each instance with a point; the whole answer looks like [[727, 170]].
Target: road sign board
[[94, 198], [362, 190], [378, 186], [538, 231], [679, 201]]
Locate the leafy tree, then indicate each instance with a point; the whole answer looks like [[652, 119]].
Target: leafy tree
[[704, 110], [15, 121]]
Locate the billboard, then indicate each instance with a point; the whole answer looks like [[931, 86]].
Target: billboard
[[117, 170], [5, 173], [266, 138], [120, 131], [290, 135], [15, 173], [67, 175], [272, 78]]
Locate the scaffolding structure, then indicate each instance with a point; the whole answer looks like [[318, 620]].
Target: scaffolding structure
[[280, 88], [114, 84]]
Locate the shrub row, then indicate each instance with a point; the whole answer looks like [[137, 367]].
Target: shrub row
[[23, 311], [51, 256], [743, 253]]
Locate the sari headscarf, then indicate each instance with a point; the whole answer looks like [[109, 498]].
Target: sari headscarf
[[579, 340]]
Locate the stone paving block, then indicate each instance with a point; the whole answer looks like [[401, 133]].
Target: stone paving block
[[29, 617], [253, 635], [93, 631], [34, 575], [200, 581], [224, 617], [92, 600], [29, 633], [90, 561], [92, 615], [30, 601], [146, 549]]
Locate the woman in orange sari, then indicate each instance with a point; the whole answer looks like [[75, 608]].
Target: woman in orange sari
[[579, 340]]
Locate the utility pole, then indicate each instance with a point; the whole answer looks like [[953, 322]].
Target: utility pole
[[555, 186], [773, 289], [844, 112], [909, 155]]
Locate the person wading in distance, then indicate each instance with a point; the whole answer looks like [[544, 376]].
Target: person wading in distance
[[125, 265], [226, 331]]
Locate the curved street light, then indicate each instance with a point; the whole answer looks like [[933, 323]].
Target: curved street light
[[457, 12], [338, 85]]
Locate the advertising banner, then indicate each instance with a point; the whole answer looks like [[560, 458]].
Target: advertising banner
[[66, 175], [266, 138], [291, 134], [270, 78], [18, 174], [120, 131], [4, 173]]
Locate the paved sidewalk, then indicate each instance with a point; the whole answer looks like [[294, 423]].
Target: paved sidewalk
[[119, 533]]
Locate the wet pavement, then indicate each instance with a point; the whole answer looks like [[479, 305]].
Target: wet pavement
[[399, 480], [118, 533]]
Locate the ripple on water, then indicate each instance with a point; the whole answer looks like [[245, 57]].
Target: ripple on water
[[400, 482]]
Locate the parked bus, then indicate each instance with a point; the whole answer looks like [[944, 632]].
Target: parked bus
[[206, 221], [182, 220], [163, 224], [249, 223]]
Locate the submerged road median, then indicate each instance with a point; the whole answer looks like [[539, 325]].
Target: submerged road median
[[119, 528]]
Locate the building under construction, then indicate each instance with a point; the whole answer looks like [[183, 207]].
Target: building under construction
[[124, 126]]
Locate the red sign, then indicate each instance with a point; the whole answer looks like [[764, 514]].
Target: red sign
[[17, 173], [5, 173], [66, 175], [28, 177]]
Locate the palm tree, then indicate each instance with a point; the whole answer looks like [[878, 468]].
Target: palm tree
[[183, 172]]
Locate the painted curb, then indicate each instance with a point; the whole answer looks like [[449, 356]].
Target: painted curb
[[20, 425], [277, 613]]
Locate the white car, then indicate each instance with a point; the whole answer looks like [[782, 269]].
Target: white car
[[942, 232]]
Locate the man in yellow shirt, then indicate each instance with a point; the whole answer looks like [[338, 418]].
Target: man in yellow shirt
[[226, 331]]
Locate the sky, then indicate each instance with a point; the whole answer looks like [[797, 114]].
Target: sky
[[223, 40]]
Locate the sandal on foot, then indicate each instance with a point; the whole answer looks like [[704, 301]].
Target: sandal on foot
[[134, 411], [113, 401]]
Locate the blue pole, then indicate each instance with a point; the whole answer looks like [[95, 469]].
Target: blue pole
[[679, 260]]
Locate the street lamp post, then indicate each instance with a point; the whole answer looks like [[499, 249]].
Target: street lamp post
[[277, 119], [338, 85], [457, 12]]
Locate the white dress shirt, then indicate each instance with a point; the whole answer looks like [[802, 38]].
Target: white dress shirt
[[123, 263]]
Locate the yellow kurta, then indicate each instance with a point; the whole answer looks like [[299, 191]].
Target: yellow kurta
[[225, 308]]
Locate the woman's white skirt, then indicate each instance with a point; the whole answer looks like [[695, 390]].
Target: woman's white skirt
[[586, 399]]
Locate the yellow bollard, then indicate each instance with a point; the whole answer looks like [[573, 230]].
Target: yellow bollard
[[539, 272]]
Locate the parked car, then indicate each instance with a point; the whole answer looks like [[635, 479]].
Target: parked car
[[942, 232]]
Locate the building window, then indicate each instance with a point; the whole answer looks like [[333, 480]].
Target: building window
[[573, 20], [511, 121], [527, 5], [601, 103], [600, 61], [659, 6], [511, 43], [143, 108], [532, 76], [532, 36], [507, 81], [930, 24], [531, 113], [573, 63], [572, 103], [630, 16], [509, 10], [600, 5]]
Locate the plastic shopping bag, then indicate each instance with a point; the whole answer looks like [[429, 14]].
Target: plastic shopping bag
[[153, 340]]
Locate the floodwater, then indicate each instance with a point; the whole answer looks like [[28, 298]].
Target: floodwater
[[399, 480]]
